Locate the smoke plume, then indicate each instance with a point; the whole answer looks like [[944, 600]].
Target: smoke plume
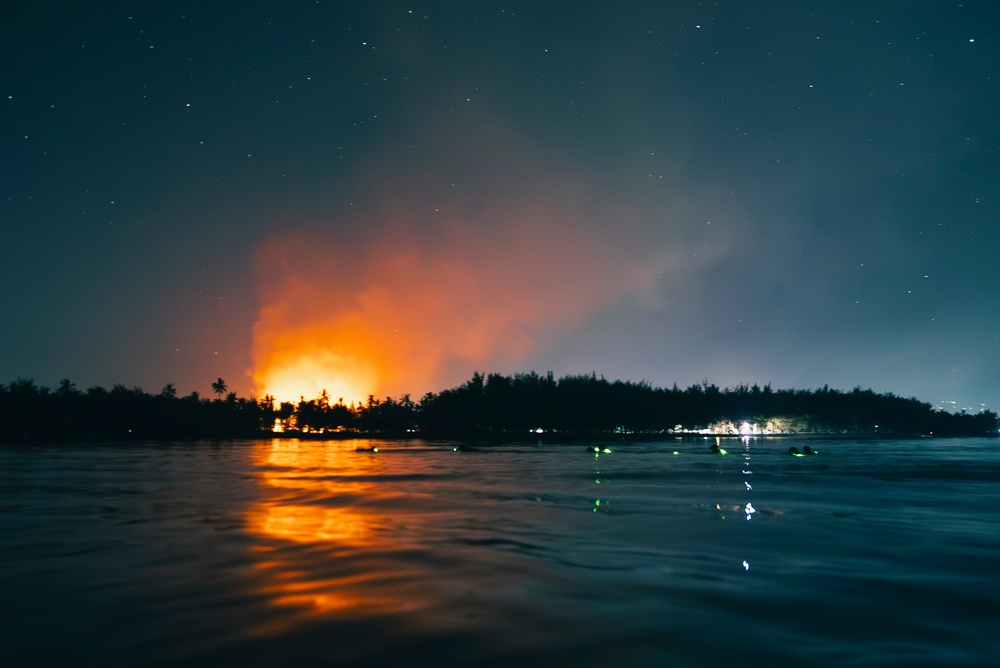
[[475, 266]]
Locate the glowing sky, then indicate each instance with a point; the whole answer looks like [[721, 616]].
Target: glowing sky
[[783, 192]]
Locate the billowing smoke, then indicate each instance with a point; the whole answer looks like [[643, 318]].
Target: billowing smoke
[[438, 276]]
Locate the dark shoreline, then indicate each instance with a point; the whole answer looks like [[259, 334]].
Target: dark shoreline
[[479, 438], [523, 408], [590, 437], [483, 440]]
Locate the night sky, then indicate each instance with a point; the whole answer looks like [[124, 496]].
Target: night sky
[[385, 197]]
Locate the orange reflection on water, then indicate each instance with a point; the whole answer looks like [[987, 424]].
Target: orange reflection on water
[[309, 524], [324, 519]]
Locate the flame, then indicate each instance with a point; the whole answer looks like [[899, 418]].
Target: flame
[[306, 361]]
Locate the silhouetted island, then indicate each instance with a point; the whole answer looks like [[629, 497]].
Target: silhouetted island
[[486, 406]]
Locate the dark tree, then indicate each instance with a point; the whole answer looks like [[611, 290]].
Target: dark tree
[[219, 387]]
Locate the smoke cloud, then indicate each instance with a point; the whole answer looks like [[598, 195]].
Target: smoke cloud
[[474, 264]]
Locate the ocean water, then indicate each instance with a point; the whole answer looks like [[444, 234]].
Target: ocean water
[[308, 553]]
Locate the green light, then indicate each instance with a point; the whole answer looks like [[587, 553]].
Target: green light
[[722, 452], [676, 453]]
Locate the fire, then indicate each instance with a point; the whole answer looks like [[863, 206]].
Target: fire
[[304, 360], [308, 375], [305, 367]]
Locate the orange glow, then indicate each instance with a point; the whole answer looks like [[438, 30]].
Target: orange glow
[[303, 363], [442, 266], [311, 494], [305, 468], [309, 524], [415, 313]]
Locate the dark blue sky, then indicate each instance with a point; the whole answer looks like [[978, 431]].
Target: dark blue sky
[[791, 193]]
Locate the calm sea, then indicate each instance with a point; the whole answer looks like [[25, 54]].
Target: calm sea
[[288, 553]]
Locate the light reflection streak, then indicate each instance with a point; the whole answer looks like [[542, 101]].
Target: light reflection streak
[[747, 471], [324, 497], [304, 523], [606, 507]]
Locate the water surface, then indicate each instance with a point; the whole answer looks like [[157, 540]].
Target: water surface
[[871, 553]]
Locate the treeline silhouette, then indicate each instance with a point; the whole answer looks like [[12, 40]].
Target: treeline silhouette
[[592, 404], [491, 405]]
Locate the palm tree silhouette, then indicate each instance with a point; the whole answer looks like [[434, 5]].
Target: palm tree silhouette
[[219, 387]]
